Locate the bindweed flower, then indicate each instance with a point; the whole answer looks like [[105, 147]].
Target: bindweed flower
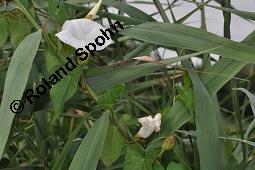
[[149, 125], [80, 32]]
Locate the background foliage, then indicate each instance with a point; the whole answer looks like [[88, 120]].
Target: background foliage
[[89, 120]]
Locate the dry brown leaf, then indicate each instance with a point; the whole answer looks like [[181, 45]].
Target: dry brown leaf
[[145, 58]]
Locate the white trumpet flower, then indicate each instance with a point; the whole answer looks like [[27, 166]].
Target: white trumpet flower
[[149, 125], [80, 32]]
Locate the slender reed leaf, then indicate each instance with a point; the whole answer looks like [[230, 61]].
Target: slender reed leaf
[[15, 83], [91, 147], [185, 37], [61, 158], [206, 125]]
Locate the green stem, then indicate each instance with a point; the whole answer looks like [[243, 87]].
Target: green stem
[[238, 116], [119, 54], [26, 13], [161, 11]]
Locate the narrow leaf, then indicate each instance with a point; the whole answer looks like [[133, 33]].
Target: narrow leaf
[[61, 158], [251, 98], [113, 138], [206, 125], [91, 147], [15, 83], [185, 37]]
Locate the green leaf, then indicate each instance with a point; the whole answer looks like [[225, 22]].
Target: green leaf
[[4, 29], [19, 28], [185, 37], [134, 159], [251, 165], [225, 69], [52, 62], [62, 14], [64, 89], [2, 80], [23, 5], [175, 166], [244, 14], [216, 76], [115, 76], [60, 160], [240, 140], [123, 7], [114, 139], [251, 98], [186, 95], [250, 127], [120, 18], [15, 83], [157, 166], [128, 9], [89, 151], [109, 97], [41, 132], [250, 39], [208, 141], [171, 121]]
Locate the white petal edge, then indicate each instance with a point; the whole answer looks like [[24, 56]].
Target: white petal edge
[[157, 121]]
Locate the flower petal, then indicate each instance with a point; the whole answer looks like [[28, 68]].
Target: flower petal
[[80, 32], [142, 120], [157, 121], [148, 126], [147, 129]]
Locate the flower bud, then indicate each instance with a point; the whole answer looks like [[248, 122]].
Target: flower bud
[[168, 143]]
